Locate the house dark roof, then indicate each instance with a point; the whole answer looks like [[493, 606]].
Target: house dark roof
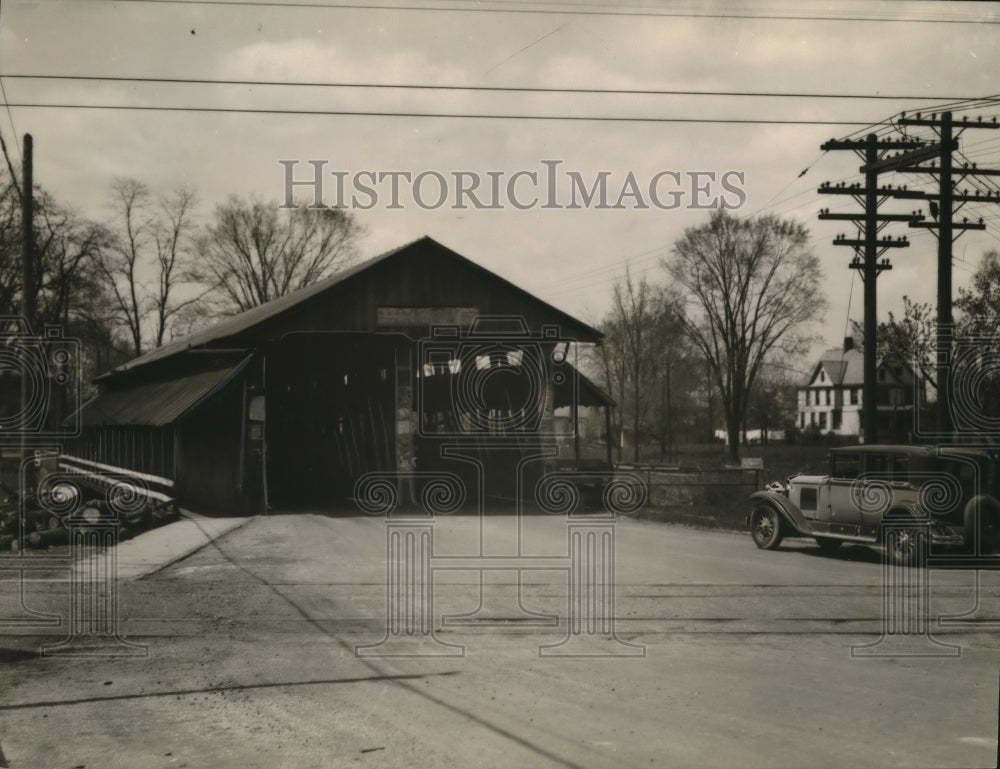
[[237, 324], [161, 402], [844, 368]]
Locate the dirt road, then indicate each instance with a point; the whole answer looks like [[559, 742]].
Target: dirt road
[[747, 661]]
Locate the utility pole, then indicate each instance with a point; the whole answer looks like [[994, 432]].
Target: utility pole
[[27, 234], [27, 281], [867, 250], [948, 131]]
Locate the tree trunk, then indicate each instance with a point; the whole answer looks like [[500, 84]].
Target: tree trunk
[[711, 410], [733, 431], [670, 422], [635, 420]]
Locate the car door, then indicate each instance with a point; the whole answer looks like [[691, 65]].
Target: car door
[[882, 472], [845, 511]]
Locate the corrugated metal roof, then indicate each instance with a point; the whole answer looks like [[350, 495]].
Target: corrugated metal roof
[[246, 320], [158, 403]]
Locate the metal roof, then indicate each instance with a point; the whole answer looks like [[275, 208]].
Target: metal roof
[[160, 402], [236, 324]]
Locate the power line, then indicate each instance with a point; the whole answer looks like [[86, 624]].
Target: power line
[[448, 115], [10, 117], [588, 11], [478, 88]]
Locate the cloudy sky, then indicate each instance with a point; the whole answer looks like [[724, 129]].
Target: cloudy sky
[[757, 83]]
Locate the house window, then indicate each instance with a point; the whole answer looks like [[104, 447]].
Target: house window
[[854, 396], [835, 419], [827, 396], [822, 376], [802, 420], [812, 418], [822, 420]]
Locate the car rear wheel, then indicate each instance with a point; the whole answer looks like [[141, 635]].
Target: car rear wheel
[[765, 528], [828, 545]]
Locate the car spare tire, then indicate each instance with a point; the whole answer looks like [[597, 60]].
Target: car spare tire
[[982, 524]]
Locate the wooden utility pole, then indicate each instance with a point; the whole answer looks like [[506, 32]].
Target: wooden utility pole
[[27, 283], [27, 235], [948, 130], [867, 250]]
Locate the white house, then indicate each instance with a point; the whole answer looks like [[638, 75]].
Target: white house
[[832, 399]]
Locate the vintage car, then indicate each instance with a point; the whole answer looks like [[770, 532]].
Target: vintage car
[[952, 492]]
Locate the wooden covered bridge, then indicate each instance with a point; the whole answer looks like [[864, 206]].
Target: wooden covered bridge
[[418, 359]]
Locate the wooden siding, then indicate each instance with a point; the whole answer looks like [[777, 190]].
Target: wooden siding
[[210, 444]]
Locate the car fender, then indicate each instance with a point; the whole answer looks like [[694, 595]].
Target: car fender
[[783, 505]]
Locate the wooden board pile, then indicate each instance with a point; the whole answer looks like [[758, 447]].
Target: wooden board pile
[[83, 502]]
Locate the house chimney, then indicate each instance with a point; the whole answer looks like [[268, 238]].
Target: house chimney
[[848, 343]]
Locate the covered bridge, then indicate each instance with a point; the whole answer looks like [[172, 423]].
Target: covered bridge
[[416, 360]]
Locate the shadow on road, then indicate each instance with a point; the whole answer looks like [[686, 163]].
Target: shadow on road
[[217, 689]]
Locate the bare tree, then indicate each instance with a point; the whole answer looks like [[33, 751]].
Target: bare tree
[[634, 310], [119, 260], [609, 357], [174, 267], [255, 252], [146, 260], [10, 248], [68, 292], [772, 401], [642, 361], [673, 366], [751, 287]]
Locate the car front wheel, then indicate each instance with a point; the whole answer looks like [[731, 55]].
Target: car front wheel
[[765, 528]]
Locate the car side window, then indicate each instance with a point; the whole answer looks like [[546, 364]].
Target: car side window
[[876, 466], [846, 466]]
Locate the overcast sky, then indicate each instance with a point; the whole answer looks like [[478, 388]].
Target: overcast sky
[[568, 257]]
